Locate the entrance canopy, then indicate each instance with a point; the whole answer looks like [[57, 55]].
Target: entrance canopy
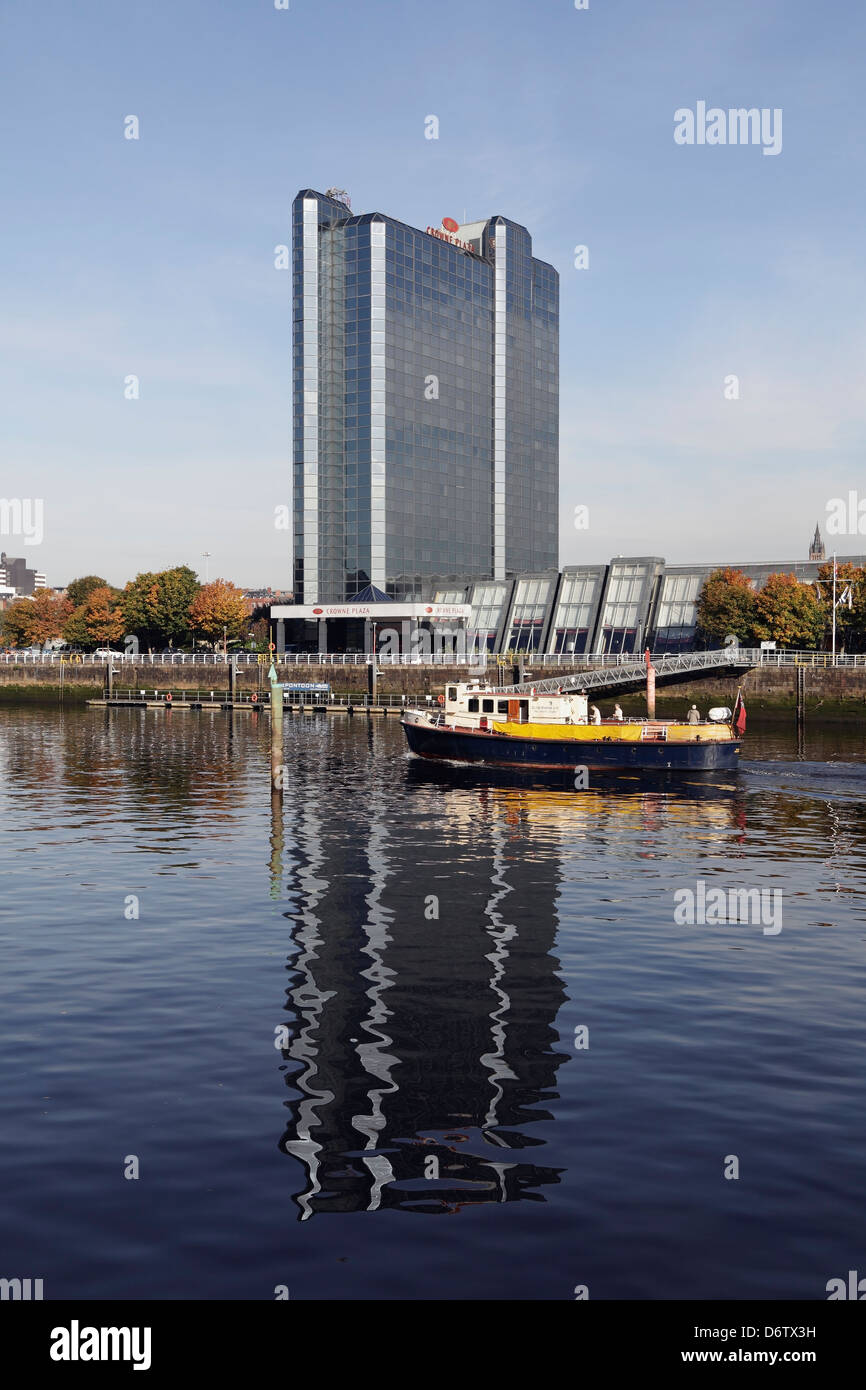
[[378, 612], [369, 626]]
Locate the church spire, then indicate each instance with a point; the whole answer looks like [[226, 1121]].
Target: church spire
[[816, 549]]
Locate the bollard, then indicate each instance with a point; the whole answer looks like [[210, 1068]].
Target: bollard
[[650, 686], [276, 738]]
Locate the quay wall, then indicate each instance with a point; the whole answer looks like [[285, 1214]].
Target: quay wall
[[830, 693]]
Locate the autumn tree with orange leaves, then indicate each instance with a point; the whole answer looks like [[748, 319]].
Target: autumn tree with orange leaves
[[788, 612], [219, 607], [98, 621], [32, 622]]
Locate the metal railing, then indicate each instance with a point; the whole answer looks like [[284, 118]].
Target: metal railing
[[474, 662], [299, 699]]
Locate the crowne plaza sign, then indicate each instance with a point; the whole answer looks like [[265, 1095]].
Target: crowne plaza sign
[[420, 612], [450, 237]]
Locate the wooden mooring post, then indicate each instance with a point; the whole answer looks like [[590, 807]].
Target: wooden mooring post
[[276, 734]]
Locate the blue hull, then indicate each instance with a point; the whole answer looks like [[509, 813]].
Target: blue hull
[[499, 750]]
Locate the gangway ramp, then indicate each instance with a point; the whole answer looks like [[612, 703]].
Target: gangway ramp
[[624, 678]]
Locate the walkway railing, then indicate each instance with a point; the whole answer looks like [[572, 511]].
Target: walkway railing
[[473, 662], [300, 699]]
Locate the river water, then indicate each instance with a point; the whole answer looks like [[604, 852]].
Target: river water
[[424, 1033]]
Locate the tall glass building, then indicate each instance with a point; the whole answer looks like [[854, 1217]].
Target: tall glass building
[[426, 402]]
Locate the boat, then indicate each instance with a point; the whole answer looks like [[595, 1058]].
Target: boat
[[476, 722]]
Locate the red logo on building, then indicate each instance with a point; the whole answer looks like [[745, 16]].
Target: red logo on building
[[318, 610], [450, 225], [428, 610]]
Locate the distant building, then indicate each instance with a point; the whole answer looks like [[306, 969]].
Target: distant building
[[268, 595], [816, 549], [15, 575]]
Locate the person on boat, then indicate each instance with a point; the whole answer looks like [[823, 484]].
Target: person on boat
[[694, 715], [617, 712], [594, 714]]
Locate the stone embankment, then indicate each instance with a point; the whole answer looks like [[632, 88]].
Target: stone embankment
[[830, 693]]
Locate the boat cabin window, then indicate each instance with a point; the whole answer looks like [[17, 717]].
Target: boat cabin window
[[502, 706], [487, 706], [452, 692], [473, 706]]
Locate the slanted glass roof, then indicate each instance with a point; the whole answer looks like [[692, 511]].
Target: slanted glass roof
[[371, 595]]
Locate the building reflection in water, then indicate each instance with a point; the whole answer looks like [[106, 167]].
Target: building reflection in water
[[423, 1047], [422, 1050]]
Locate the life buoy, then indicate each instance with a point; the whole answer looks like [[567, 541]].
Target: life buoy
[[254, 699], [440, 699], [168, 699]]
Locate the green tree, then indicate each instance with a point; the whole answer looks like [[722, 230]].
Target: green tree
[[139, 605], [727, 605], [788, 612], [156, 606], [177, 588], [80, 589]]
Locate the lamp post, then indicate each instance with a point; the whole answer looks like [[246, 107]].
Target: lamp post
[[834, 608]]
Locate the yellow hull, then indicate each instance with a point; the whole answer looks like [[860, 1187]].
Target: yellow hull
[[615, 733]]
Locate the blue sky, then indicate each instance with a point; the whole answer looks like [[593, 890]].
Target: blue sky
[[156, 257]]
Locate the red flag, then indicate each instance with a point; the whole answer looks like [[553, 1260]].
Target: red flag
[[738, 719]]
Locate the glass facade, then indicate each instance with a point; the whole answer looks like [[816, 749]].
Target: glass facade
[[488, 603], [628, 598], [527, 376], [425, 403], [676, 618], [526, 621], [577, 609]]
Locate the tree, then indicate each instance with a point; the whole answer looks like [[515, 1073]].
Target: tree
[[850, 622], [727, 605], [139, 604], [788, 612], [176, 590], [98, 621], [80, 589], [156, 606], [16, 623], [35, 620], [219, 606]]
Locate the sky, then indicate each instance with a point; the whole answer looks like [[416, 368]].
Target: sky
[[155, 258]]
